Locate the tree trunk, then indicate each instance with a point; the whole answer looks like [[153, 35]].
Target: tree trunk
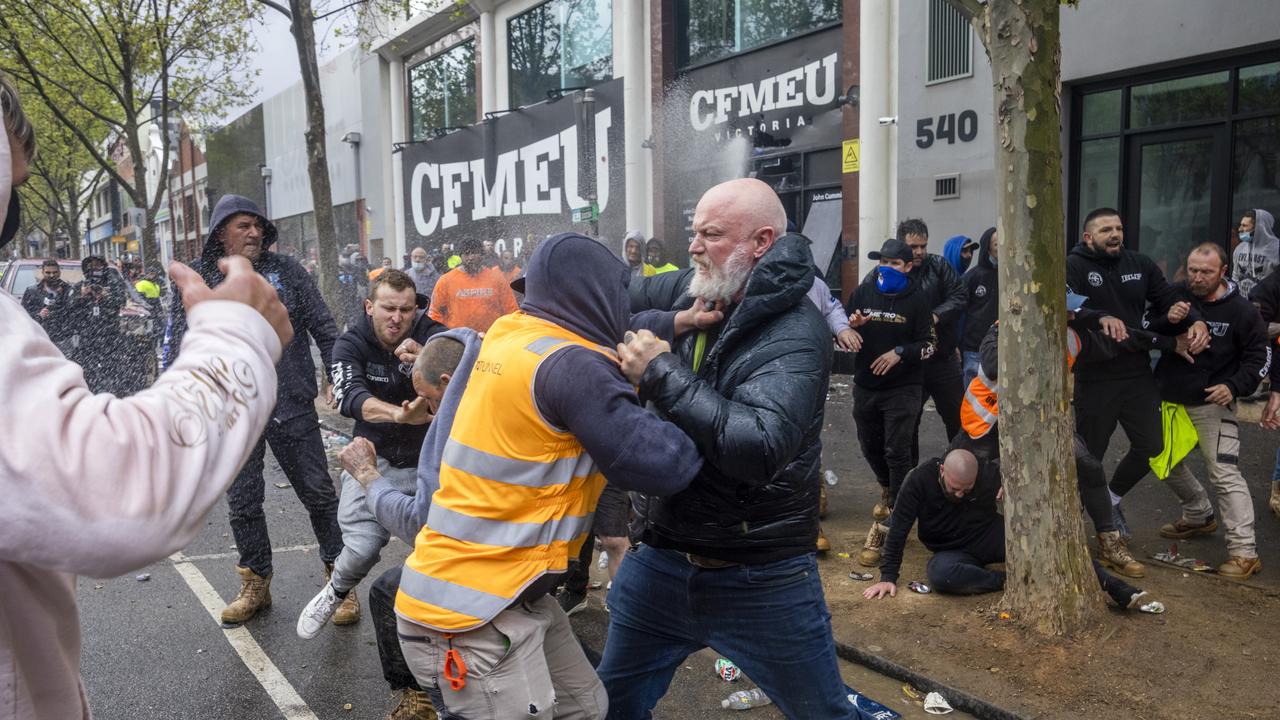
[[303, 29], [1050, 585]]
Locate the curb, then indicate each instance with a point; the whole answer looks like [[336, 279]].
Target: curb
[[958, 699]]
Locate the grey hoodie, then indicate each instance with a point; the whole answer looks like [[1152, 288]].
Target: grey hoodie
[[1251, 261]]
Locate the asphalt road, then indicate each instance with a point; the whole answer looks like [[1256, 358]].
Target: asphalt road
[[153, 649]]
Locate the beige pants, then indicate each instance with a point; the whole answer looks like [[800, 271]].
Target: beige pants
[[1220, 446], [526, 663]]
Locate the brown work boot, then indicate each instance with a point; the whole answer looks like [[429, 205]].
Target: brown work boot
[[1274, 502], [414, 705], [1116, 556], [873, 548], [1240, 568], [823, 544], [255, 595], [1182, 528], [822, 501], [883, 508], [348, 612]]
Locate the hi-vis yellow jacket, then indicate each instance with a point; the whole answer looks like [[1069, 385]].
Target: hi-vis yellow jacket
[[981, 407], [516, 495]]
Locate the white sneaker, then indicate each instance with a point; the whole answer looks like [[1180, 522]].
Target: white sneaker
[[317, 612]]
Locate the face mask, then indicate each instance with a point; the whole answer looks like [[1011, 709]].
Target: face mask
[[419, 266], [96, 277], [1244, 236], [11, 221], [890, 280]]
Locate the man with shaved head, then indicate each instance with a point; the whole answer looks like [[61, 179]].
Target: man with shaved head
[[954, 500], [729, 562]]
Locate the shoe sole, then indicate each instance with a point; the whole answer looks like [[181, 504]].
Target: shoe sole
[[1206, 530], [576, 609], [1241, 577], [1120, 569]]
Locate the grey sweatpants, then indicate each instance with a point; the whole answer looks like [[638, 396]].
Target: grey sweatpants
[[362, 536]]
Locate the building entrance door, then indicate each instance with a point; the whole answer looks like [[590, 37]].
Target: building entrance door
[[1178, 194]]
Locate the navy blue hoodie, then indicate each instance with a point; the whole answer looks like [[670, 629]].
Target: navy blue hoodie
[[576, 283], [296, 370]]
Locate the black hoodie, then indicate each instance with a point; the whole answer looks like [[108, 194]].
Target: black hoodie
[[982, 288], [937, 281], [903, 319], [1238, 355], [1122, 287], [362, 368], [754, 409], [296, 370]]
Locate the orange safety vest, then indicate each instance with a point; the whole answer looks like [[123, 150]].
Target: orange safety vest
[[981, 407], [516, 494]]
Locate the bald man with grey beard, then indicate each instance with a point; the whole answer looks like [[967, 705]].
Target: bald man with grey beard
[[729, 562]]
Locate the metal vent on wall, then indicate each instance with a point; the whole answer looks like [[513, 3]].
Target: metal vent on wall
[[950, 43], [946, 187]]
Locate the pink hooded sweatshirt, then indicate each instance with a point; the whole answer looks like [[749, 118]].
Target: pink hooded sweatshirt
[[93, 485]]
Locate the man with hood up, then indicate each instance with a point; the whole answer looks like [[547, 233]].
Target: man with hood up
[[655, 256], [633, 253], [1258, 252], [982, 308], [546, 415], [240, 228], [729, 563], [958, 252]]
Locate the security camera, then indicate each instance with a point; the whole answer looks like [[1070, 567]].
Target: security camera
[[889, 120]]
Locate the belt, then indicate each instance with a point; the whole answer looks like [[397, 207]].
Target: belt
[[709, 563]]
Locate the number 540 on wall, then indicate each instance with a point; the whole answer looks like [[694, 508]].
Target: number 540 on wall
[[950, 128]]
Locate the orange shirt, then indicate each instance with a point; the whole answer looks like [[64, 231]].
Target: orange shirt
[[474, 301]]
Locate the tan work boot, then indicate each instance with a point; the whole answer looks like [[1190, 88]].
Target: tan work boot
[[1240, 568], [823, 544], [1116, 556], [822, 501], [348, 612], [414, 705], [873, 548], [1274, 502], [255, 595], [1182, 528], [883, 508]]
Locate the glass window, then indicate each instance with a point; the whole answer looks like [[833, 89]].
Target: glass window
[[1173, 101], [1175, 201], [442, 91], [1099, 175], [562, 43], [1260, 87], [714, 29], [1255, 168], [1101, 112]]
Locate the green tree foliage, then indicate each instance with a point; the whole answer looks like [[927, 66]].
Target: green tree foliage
[[108, 70]]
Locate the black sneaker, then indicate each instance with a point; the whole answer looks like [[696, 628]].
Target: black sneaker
[[571, 602]]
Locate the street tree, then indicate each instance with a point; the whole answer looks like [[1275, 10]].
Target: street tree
[[111, 71], [64, 180], [1050, 584]]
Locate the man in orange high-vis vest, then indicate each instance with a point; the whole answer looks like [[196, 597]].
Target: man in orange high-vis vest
[[980, 412], [545, 417]]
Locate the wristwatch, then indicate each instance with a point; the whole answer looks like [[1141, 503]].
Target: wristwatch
[[899, 350]]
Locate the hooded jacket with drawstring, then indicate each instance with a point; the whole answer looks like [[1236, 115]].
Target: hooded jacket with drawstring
[[307, 311], [982, 288], [754, 408], [1254, 260], [953, 251]]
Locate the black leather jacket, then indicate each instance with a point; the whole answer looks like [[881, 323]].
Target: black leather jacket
[[755, 411]]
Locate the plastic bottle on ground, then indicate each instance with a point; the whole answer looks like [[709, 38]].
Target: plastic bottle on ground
[[604, 560], [746, 699]]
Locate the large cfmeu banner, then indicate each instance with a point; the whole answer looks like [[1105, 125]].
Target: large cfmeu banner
[[517, 178]]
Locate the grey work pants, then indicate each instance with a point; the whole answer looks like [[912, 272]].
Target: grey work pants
[[363, 537], [1220, 446], [525, 662]]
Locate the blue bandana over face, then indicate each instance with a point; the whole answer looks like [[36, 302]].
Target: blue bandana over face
[[891, 280]]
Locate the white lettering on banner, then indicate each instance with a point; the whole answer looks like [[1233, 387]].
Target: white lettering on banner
[[527, 167], [812, 84]]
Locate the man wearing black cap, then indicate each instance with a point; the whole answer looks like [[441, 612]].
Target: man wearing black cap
[[895, 320], [240, 228]]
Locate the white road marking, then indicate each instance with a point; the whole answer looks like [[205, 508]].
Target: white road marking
[[250, 652], [228, 555]]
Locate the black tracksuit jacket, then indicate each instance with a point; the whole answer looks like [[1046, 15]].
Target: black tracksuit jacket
[[903, 319]]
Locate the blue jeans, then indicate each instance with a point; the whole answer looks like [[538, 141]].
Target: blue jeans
[[771, 620], [1275, 474], [972, 361]]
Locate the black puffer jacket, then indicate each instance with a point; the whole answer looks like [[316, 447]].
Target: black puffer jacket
[[754, 409]]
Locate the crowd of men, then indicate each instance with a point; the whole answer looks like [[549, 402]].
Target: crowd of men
[[505, 415]]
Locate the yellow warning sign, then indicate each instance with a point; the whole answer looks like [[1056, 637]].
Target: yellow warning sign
[[852, 155]]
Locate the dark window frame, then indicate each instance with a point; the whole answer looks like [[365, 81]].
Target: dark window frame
[[408, 80]]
